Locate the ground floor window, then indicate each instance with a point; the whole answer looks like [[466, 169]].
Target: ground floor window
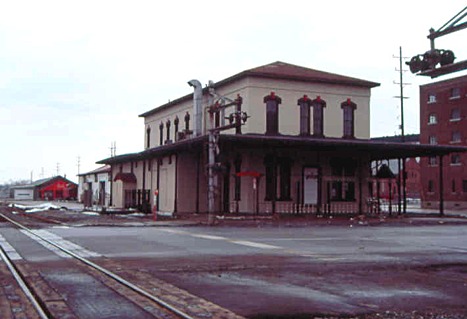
[[464, 185], [342, 191], [278, 176]]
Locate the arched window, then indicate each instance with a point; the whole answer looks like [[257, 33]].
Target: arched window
[[187, 121], [176, 121], [349, 126], [148, 137], [318, 116], [167, 125], [272, 113], [161, 133]]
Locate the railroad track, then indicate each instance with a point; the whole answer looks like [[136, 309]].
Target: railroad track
[[140, 295]]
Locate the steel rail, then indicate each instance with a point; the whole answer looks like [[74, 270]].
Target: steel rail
[[106, 272], [19, 279]]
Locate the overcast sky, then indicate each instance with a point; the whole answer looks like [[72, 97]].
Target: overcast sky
[[75, 75]]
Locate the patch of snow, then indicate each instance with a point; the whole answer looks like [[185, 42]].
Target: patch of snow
[[35, 208], [90, 213]]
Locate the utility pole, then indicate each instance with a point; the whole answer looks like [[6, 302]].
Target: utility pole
[[236, 118], [113, 149], [58, 169], [403, 178], [78, 164]]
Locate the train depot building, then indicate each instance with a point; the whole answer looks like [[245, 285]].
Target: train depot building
[[278, 138]]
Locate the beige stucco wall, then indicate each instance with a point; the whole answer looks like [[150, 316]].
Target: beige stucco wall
[[253, 90], [167, 184], [191, 182], [289, 113]]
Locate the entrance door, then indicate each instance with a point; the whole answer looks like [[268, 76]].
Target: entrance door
[[310, 185]]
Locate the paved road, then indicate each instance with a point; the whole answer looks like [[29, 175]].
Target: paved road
[[292, 271]]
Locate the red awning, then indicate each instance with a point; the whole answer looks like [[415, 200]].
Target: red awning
[[125, 177], [249, 173]]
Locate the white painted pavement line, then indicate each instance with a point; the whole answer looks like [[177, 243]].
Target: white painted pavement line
[[80, 251], [209, 237], [259, 245], [176, 231], [9, 250], [254, 244], [233, 241]]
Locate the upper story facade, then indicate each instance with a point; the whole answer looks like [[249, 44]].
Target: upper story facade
[[443, 112], [279, 98], [443, 121]]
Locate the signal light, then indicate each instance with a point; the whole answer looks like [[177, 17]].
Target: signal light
[[430, 59]]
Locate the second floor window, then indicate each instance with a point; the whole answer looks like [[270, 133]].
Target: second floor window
[[455, 93], [432, 119], [148, 137], [433, 161], [432, 140], [456, 137], [349, 108], [318, 120], [455, 159], [455, 114], [161, 134]]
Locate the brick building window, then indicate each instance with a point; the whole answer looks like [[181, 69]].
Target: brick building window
[[453, 186], [431, 186], [456, 137], [455, 159], [433, 140], [432, 161], [455, 93], [432, 119], [455, 114], [464, 185], [431, 98]]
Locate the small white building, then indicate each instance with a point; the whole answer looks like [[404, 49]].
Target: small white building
[[94, 187]]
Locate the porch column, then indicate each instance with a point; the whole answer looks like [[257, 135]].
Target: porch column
[[441, 187], [360, 194], [404, 184], [399, 190]]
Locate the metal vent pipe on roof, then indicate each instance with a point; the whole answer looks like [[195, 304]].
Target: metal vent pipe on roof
[[197, 107]]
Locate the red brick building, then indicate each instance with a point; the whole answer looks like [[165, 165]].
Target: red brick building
[[443, 112], [53, 188]]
